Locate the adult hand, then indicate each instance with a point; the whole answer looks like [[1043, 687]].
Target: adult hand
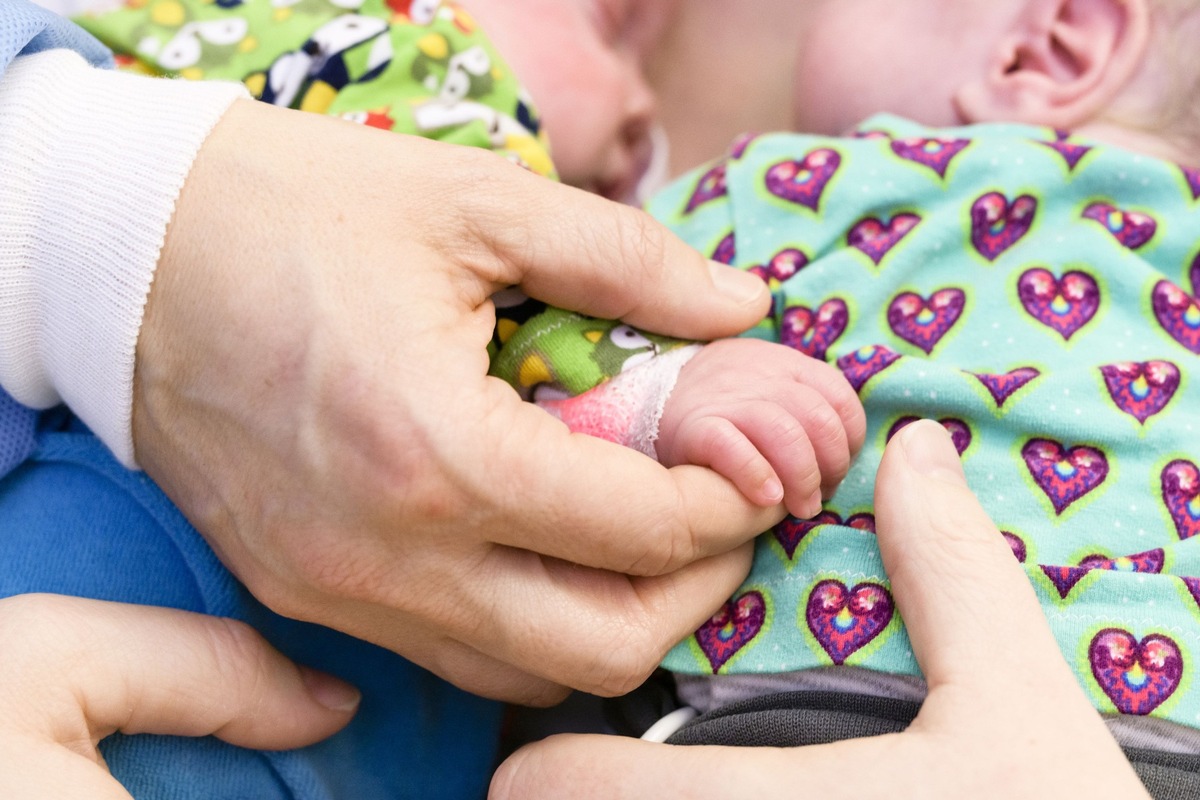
[[991, 727], [75, 671], [312, 390]]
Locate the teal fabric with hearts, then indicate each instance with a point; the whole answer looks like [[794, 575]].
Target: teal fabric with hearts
[[1036, 294]]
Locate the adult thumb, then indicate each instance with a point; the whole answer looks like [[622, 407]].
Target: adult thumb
[[970, 611]]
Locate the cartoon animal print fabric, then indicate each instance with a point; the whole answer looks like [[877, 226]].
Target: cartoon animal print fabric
[[413, 66], [1034, 293]]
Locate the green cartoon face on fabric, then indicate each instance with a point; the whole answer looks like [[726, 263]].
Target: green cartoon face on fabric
[[559, 353]]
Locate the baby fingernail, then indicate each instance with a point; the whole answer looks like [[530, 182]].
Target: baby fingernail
[[772, 490], [813, 505], [929, 450]]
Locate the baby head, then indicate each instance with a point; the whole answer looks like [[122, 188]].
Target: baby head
[[1123, 70], [581, 61]]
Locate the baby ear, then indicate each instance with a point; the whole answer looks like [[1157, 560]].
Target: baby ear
[[1061, 63]]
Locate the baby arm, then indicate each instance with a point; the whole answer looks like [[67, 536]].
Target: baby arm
[[780, 425]]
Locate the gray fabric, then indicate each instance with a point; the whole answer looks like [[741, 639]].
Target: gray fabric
[[795, 719]]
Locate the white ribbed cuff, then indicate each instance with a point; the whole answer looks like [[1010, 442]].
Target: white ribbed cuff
[[91, 165]]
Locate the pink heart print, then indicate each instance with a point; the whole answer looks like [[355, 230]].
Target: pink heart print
[[933, 153], [1071, 153], [812, 332], [803, 182], [1178, 313], [1065, 578], [1131, 228], [1063, 305], [1180, 483], [845, 620], [732, 628], [876, 238], [960, 432], [791, 532], [726, 250], [997, 224], [1141, 389], [923, 322], [1003, 385], [865, 363], [1017, 544], [710, 186], [1064, 475], [1138, 676]]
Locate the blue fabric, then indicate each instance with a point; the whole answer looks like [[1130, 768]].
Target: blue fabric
[[26, 29], [73, 521]]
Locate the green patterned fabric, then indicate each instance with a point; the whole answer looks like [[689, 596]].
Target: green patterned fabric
[[411, 66], [1034, 293]]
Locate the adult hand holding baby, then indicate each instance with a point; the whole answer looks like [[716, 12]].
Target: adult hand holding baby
[[313, 393], [1004, 716]]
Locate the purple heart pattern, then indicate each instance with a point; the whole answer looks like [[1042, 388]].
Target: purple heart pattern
[[1131, 228], [1064, 475], [741, 144], [1192, 176], [1141, 389], [924, 322], [933, 153], [876, 238], [733, 627], [1017, 545], [1178, 313], [997, 224], [710, 186], [1137, 676], [1065, 578], [726, 250], [1193, 587], [791, 532], [1003, 385], [960, 432], [1180, 482], [1070, 152], [786, 263], [865, 363], [812, 332], [803, 182], [1063, 305], [845, 620]]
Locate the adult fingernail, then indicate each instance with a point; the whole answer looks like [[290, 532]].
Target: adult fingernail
[[333, 693], [744, 287], [929, 450]]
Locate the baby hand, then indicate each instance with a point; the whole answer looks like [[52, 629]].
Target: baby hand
[[780, 425]]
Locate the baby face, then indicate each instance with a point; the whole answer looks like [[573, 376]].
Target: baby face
[[859, 57], [581, 60]]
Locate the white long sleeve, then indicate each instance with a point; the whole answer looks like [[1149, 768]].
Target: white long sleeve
[[91, 165]]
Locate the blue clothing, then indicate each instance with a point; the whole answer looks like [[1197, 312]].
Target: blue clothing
[[26, 29], [73, 521]]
